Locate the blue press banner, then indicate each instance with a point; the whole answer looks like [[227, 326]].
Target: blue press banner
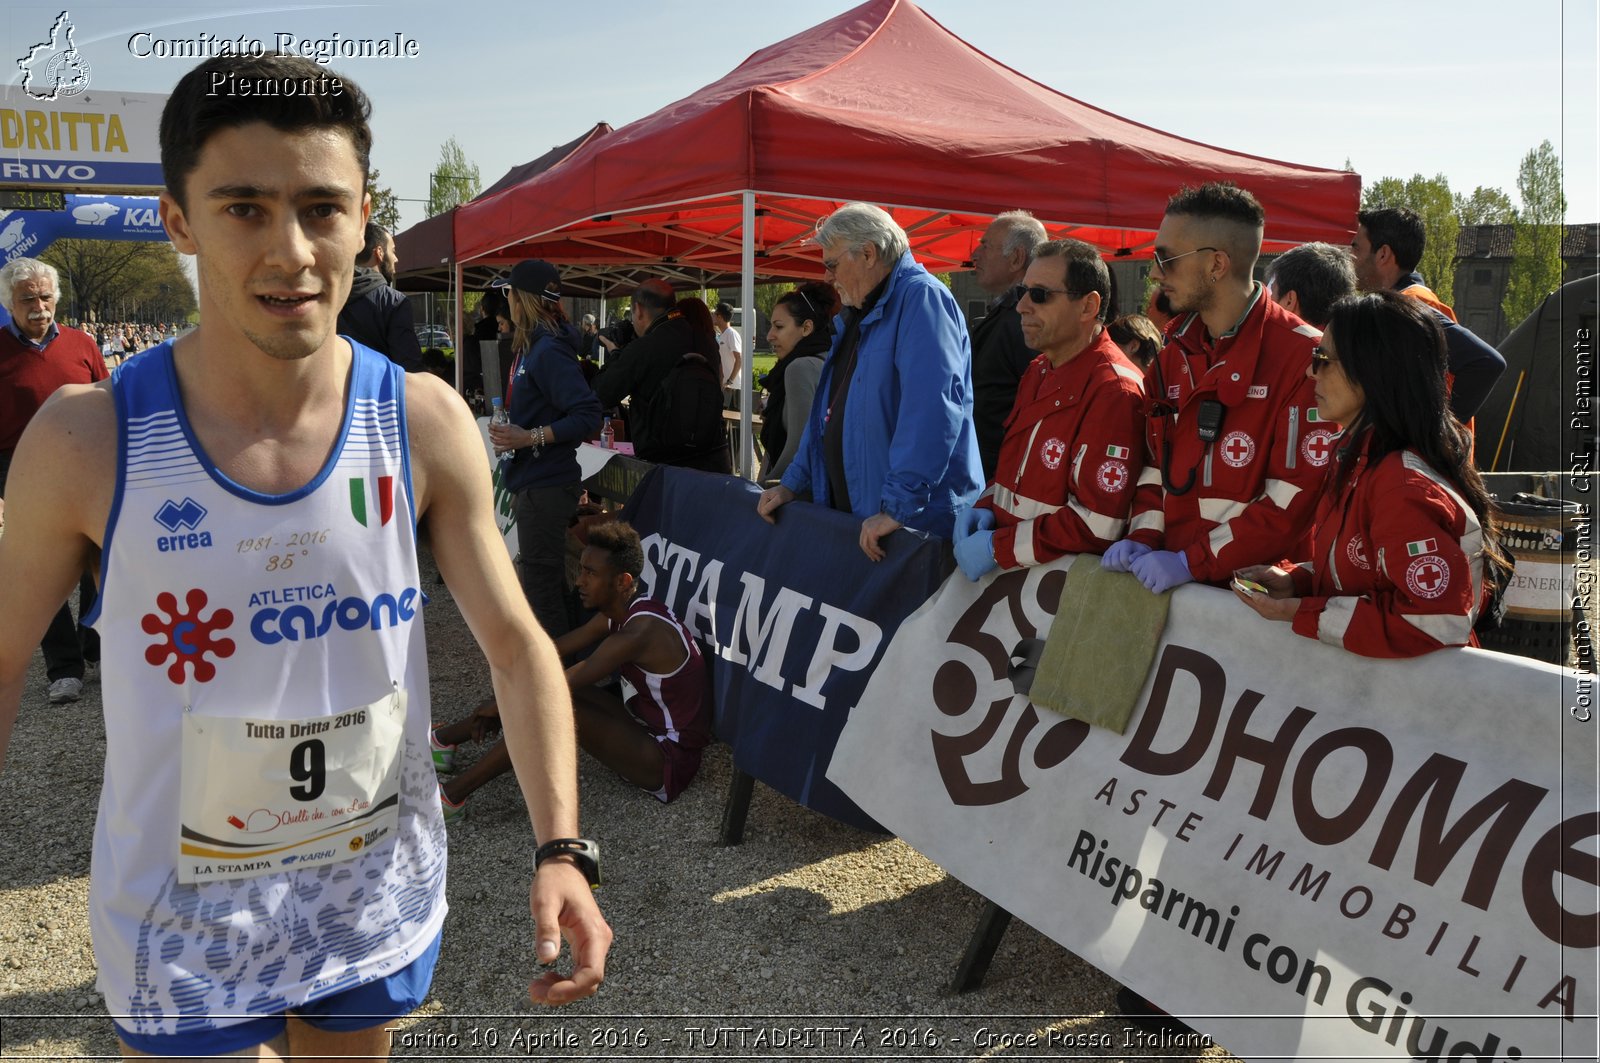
[[795, 617]]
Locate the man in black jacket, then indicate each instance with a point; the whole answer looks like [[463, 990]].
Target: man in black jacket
[[376, 314], [636, 372], [999, 355]]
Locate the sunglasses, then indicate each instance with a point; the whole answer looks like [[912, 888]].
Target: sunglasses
[[1321, 359], [1041, 295], [1165, 264]]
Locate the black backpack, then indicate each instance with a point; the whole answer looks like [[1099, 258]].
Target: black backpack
[[686, 416]]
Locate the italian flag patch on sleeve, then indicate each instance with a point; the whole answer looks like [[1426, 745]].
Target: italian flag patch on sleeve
[[1116, 452], [1312, 416], [1422, 546]]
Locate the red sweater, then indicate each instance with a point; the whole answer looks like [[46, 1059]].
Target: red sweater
[[28, 376]]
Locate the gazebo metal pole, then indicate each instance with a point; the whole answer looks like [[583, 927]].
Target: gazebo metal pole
[[747, 298]]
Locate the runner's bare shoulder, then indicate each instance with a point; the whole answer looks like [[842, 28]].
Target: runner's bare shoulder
[[442, 436], [69, 453]]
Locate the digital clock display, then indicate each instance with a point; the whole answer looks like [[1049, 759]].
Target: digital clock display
[[31, 199]]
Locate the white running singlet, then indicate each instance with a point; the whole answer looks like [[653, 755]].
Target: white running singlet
[[269, 829]]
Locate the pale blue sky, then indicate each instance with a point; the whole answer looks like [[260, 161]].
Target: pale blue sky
[[1464, 89]]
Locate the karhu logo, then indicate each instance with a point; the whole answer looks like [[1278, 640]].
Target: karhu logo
[[177, 516]]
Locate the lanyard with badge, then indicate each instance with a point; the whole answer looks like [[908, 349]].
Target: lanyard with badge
[[265, 795]]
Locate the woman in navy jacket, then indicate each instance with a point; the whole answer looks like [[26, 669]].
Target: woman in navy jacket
[[552, 409]]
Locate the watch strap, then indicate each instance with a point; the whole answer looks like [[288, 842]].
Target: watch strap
[[584, 852]]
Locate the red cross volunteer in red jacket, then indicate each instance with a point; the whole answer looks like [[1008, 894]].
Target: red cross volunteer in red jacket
[[1399, 546], [1072, 448], [1236, 448]]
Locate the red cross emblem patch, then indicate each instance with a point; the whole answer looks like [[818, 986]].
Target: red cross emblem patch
[[1113, 476], [1356, 551], [1428, 576], [1237, 449], [1053, 451], [1318, 446]]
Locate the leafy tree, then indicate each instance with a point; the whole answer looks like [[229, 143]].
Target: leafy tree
[[454, 181], [1486, 206], [385, 207], [1431, 199], [1536, 247], [111, 280]]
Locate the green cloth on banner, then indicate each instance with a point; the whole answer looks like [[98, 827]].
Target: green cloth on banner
[[1100, 647]]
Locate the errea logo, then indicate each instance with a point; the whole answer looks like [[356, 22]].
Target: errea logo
[[183, 520]]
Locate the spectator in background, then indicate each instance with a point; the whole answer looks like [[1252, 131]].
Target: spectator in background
[[891, 439], [1137, 337], [653, 734], [1402, 531], [801, 335], [1307, 280], [375, 313], [728, 351], [588, 338], [552, 410], [667, 334], [1074, 440], [37, 356], [1231, 469], [999, 353], [1387, 247]]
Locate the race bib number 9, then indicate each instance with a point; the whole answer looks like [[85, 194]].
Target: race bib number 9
[[260, 796]]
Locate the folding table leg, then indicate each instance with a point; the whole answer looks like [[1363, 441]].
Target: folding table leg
[[992, 923]]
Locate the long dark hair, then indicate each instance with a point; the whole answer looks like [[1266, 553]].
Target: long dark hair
[[1392, 347]]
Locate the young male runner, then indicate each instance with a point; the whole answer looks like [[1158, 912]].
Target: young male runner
[[269, 863]]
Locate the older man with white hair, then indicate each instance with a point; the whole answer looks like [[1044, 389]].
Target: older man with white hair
[[890, 437], [37, 356]]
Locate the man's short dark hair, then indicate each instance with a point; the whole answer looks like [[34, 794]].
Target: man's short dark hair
[[1086, 270], [1234, 217], [208, 100], [374, 236], [1398, 228], [1218, 199], [1319, 274], [620, 543], [655, 295], [724, 311]]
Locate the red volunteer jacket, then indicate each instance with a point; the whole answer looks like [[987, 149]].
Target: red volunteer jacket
[[1070, 458], [1255, 486], [1397, 567]]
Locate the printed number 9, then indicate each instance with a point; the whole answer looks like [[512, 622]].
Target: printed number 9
[[307, 765]]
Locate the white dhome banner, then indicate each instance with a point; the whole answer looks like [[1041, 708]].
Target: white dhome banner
[[1313, 854]]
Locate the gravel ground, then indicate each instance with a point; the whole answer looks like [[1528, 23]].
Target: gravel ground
[[720, 951]]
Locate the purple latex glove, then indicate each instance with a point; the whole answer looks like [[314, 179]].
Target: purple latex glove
[[975, 555], [1162, 570], [973, 519], [1122, 555]]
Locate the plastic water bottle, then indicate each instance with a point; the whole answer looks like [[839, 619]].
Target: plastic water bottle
[[608, 435], [501, 417]]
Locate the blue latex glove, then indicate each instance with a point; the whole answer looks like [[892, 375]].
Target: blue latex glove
[[975, 555], [973, 519], [1162, 570], [1122, 555]]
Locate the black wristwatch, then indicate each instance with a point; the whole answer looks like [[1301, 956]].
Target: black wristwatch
[[585, 854]]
